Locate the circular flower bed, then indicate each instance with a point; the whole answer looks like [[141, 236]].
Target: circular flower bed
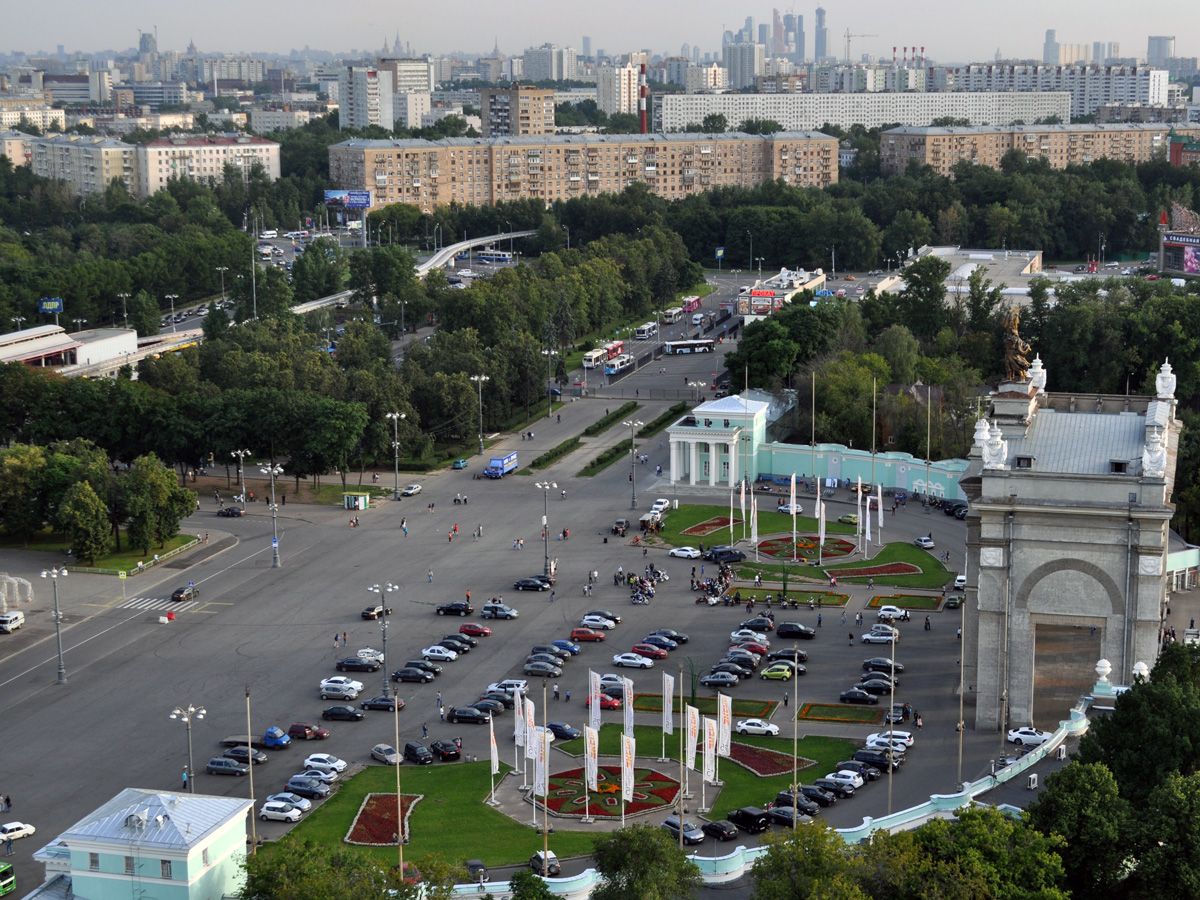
[[651, 790], [806, 547]]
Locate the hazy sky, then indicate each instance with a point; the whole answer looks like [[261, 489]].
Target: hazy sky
[[950, 30]]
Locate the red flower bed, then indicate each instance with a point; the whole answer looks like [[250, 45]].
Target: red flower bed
[[762, 761], [375, 823], [708, 526], [806, 547], [651, 790], [896, 568]]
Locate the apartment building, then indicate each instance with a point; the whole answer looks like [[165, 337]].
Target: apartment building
[[264, 121], [154, 94], [87, 164], [481, 172], [1090, 87], [411, 75], [617, 89], [365, 98], [550, 63], [1060, 145], [43, 117], [243, 69], [15, 145], [203, 158], [743, 62], [409, 107], [705, 78], [800, 112], [515, 111]]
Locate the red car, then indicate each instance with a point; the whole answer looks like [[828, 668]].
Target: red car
[[586, 634], [606, 702], [753, 646], [474, 629], [649, 650]]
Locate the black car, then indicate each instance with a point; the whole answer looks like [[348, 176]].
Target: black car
[[500, 697], [244, 754], [374, 612], [708, 554], [869, 773], [879, 676], [858, 695], [722, 831], [457, 646], [880, 664], [489, 706], [550, 650], [445, 750], [613, 690], [836, 788], [819, 796], [788, 630], [803, 804], [878, 759], [530, 584], [415, 751], [791, 654], [185, 593], [462, 639], [562, 731], [342, 713], [677, 636], [547, 658], [661, 641], [431, 667], [782, 815], [737, 654], [759, 623], [604, 614], [308, 787], [468, 714], [387, 703], [749, 819], [455, 608], [420, 676], [728, 556], [732, 668], [548, 580], [230, 512], [357, 664], [875, 686]]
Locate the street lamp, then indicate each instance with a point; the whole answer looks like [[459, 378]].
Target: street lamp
[[79, 323], [18, 321], [186, 714], [633, 426], [222, 270], [54, 573], [479, 380], [549, 354], [546, 487], [273, 471], [124, 295], [395, 417], [436, 231], [383, 591], [171, 298], [697, 386], [750, 235], [240, 456], [759, 260], [567, 229], [508, 224]]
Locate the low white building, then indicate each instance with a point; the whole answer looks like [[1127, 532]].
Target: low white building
[[264, 121], [204, 158]]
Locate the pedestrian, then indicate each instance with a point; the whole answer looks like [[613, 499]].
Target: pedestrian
[[819, 617], [283, 499], [552, 596], [183, 776], [439, 698], [567, 695], [645, 552], [429, 576], [8, 851], [858, 618], [851, 638], [870, 584], [928, 624], [843, 617], [336, 638], [468, 598], [424, 731], [920, 721], [556, 690], [442, 713], [481, 529], [206, 537], [558, 417], [346, 638], [785, 698], [958, 633]]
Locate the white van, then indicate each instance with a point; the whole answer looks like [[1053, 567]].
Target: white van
[[11, 621], [697, 318], [268, 234]]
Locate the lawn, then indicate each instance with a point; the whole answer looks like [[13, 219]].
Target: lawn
[[691, 514], [906, 601], [834, 712], [742, 706], [819, 598], [933, 573], [742, 787], [127, 559], [451, 820]]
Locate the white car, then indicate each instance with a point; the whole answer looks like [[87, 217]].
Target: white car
[[1028, 737], [633, 660], [597, 622], [846, 777], [279, 811], [301, 803], [325, 761], [789, 508], [320, 774], [876, 637], [925, 542], [439, 653], [341, 681], [891, 613], [509, 686], [11, 831], [882, 743], [756, 726], [905, 736], [745, 634], [960, 582], [661, 505], [410, 490], [685, 553], [371, 655]]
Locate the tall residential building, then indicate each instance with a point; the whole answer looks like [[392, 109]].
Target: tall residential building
[[203, 158], [799, 56], [675, 69], [16, 145], [778, 40], [1159, 48], [617, 89], [821, 40], [550, 62], [1090, 86], [586, 44], [44, 117], [706, 78], [243, 69], [409, 107], [518, 110], [743, 62], [1050, 48], [85, 164], [410, 75], [471, 171], [365, 98]]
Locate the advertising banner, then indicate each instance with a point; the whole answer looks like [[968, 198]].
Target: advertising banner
[[628, 752], [668, 720], [627, 683], [591, 747], [530, 725], [348, 199], [724, 722], [492, 747], [594, 699], [693, 736], [710, 751]]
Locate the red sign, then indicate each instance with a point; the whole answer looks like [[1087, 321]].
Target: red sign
[[762, 293]]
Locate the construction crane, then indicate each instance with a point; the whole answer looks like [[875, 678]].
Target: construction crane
[[849, 35]]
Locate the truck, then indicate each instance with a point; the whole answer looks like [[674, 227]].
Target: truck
[[274, 738], [499, 466]]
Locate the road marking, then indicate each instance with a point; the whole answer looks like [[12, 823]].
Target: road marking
[[156, 603]]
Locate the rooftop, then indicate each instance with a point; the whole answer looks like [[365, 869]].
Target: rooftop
[[152, 818], [208, 140], [1081, 443], [932, 130], [577, 139]]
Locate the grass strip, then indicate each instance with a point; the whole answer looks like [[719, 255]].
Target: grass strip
[[742, 706], [831, 712], [555, 453], [605, 459], [656, 425], [611, 419], [906, 601]]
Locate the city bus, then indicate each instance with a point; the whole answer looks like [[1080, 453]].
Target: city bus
[[645, 332], [8, 879], [689, 346], [622, 363], [672, 315], [691, 304], [614, 349], [594, 358], [497, 257]]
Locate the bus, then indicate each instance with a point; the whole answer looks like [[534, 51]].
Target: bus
[[594, 358], [620, 364], [672, 315], [691, 304], [614, 349], [8, 879], [689, 346], [645, 332], [497, 257], [265, 252]]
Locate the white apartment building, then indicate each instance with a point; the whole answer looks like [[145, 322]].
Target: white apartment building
[[1090, 87], [16, 146], [802, 112], [264, 121], [203, 158], [42, 116], [549, 62], [706, 78], [365, 98], [233, 68], [743, 62], [85, 163], [411, 75], [409, 107], [617, 89]]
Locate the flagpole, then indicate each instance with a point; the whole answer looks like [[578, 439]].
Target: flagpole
[[492, 756], [731, 515], [812, 440]]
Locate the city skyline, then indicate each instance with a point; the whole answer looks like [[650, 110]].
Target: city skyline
[[949, 32]]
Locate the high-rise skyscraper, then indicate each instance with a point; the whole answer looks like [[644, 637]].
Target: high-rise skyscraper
[[587, 46], [743, 61], [1050, 48], [778, 42], [1159, 48], [821, 39], [800, 48], [764, 35]]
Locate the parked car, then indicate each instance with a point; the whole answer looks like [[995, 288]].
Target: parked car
[[785, 816], [782, 671], [510, 685], [356, 664], [858, 695], [419, 676], [905, 737], [14, 831], [326, 761], [792, 630], [504, 699], [587, 634], [342, 713], [341, 681], [722, 831], [498, 611], [457, 643], [474, 629], [1028, 736], [839, 789], [467, 714], [424, 664], [749, 819], [953, 601], [308, 787], [530, 584], [719, 679], [545, 864], [791, 654], [685, 553], [875, 686], [882, 664], [605, 614], [246, 755], [410, 490], [924, 542], [649, 650], [440, 653], [889, 614], [677, 636], [230, 512], [732, 668], [455, 608], [374, 612], [338, 692], [219, 765], [562, 731], [845, 776], [820, 796], [759, 623], [632, 660], [597, 622], [551, 650], [486, 704], [301, 803], [572, 649], [877, 637], [446, 751], [879, 759], [390, 704], [868, 772], [415, 751], [691, 834], [542, 669], [386, 754], [302, 731], [745, 634], [756, 726]]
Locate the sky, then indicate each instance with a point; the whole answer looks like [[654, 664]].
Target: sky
[[950, 30]]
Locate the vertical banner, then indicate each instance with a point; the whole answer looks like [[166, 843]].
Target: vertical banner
[[724, 722], [858, 527], [792, 500], [628, 752], [492, 747], [867, 532], [519, 719], [879, 512], [540, 761], [530, 730], [820, 526], [693, 735], [591, 747], [627, 702], [668, 722], [754, 522], [742, 498], [731, 515], [594, 699], [710, 750]]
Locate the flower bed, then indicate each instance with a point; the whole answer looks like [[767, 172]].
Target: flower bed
[[765, 762], [806, 547], [831, 712], [375, 823], [568, 792], [895, 568], [743, 707], [708, 526], [906, 601]]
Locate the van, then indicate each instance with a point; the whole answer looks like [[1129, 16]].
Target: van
[[697, 318], [11, 621], [268, 234]]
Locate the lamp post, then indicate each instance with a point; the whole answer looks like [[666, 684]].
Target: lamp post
[[696, 387], [567, 229], [633, 426], [124, 295], [436, 232], [18, 321], [479, 380], [508, 224], [383, 591], [395, 417], [273, 471], [240, 456], [546, 487], [759, 260], [549, 354], [171, 298], [79, 323], [186, 714], [750, 235], [222, 270], [54, 573]]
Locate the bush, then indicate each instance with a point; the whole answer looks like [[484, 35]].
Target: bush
[[663, 421], [606, 459], [555, 453], [611, 419]]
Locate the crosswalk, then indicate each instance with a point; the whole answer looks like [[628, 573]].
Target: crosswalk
[[157, 603]]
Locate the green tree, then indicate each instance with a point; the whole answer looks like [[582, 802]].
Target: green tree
[[1168, 840], [622, 123], [759, 126], [983, 299], [144, 314], [22, 469], [525, 885], [898, 346], [83, 518], [714, 123], [155, 501], [642, 862], [811, 861], [924, 296], [298, 870]]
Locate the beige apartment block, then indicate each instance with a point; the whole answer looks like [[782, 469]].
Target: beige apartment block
[[516, 111], [482, 172], [203, 158], [87, 164]]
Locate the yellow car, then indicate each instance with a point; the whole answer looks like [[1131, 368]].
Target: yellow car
[[777, 672], [848, 519]]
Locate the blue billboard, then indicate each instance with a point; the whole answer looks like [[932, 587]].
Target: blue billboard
[[50, 305], [348, 199]]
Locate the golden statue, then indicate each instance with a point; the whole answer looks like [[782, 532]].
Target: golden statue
[[1016, 366]]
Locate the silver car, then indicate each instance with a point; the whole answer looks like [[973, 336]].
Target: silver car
[[386, 754]]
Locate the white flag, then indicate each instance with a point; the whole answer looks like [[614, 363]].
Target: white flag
[[668, 703], [868, 529], [628, 752], [858, 526], [754, 520], [710, 750], [742, 497], [519, 719], [541, 780], [724, 722], [627, 701], [731, 515], [591, 747], [792, 500], [821, 525], [879, 512], [594, 699], [530, 725], [693, 735], [492, 746]]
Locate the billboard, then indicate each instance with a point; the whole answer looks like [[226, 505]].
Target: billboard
[[1181, 252], [50, 305], [348, 199]]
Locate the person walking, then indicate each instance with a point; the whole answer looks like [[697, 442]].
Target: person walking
[[336, 638], [429, 576], [556, 690], [928, 624], [424, 731], [851, 638], [567, 695], [8, 850], [346, 638], [183, 776], [439, 698], [785, 698], [441, 712], [552, 596], [819, 617]]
